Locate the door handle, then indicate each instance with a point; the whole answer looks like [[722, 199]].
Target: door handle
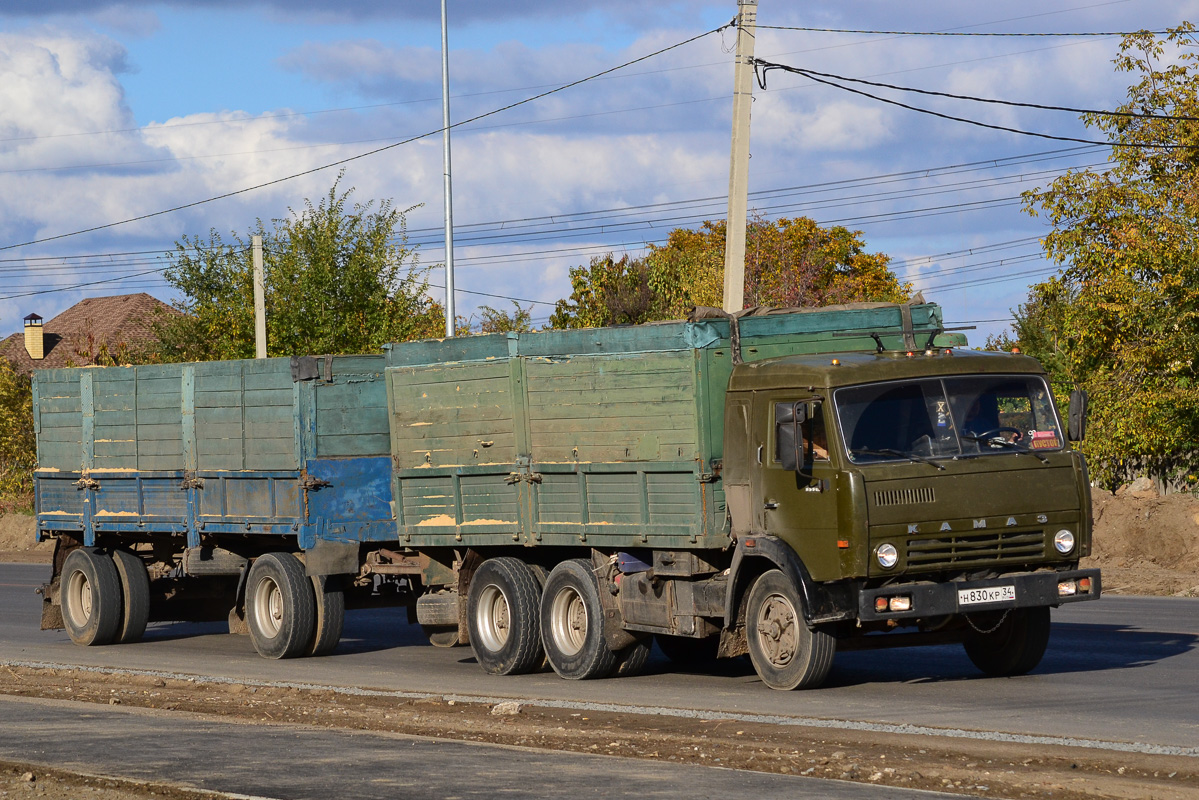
[[770, 505]]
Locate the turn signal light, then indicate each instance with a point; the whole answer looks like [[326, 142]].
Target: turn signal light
[[900, 603], [1084, 585]]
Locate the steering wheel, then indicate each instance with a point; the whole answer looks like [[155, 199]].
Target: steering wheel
[[994, 432]]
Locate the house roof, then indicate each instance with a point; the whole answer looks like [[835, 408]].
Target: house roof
[[122, 319]]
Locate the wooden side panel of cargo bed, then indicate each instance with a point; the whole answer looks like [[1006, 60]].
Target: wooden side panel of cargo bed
[[637, 407]]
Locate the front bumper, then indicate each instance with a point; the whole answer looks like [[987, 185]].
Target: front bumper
[[1032, 589]]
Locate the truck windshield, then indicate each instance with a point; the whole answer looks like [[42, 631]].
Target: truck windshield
[[947, 417]]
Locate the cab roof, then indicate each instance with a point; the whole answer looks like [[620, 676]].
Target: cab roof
[[832, 370]]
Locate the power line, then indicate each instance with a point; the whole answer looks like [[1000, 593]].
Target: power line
[[767, 66], [956, 33], [349, 159], [978, 123]]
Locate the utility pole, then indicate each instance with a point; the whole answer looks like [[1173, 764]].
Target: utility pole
[[743, 87], [259, 299], [445, 152]]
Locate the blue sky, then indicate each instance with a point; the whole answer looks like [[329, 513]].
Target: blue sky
[[115, 110]]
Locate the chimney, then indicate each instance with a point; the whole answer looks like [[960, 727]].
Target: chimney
[[33, 337]]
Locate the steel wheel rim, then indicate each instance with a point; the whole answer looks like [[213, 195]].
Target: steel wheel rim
[[79, 599], [268, 607], [494, 618], [568, 621], [778, 632]]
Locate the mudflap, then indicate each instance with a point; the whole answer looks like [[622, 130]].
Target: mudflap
[[51, 610]]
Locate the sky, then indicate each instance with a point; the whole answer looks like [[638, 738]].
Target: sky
[[115, 111]]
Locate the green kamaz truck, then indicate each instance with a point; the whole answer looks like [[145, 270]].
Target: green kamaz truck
[[780, 484], [777, 484]]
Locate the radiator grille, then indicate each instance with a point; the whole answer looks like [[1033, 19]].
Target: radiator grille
[[976, 549], [904, 497]]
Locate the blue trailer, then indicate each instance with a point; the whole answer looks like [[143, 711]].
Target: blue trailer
[[189, 474]]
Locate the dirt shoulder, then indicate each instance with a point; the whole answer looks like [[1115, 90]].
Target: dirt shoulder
[[971, 767]]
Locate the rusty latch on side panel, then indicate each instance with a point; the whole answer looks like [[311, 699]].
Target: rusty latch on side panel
[[87, 483], [527, 477], [307, 482], [190, 481]]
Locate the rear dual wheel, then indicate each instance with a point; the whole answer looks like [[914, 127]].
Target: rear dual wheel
[[504, 616], [290, 614], [105, 596], [572, 624]]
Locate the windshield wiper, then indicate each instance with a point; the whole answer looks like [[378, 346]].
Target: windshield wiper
[[996, 440], [886, 451]]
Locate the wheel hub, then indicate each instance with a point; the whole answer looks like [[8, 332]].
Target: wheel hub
[[777, 631]]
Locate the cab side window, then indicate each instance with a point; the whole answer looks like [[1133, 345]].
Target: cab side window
[[815, 435]]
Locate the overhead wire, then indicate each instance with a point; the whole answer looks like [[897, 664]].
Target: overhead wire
[[813, 77]]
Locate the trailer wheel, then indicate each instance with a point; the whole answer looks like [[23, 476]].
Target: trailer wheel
[[90, 597], [280, 607], [632, 660], [785, 653], [572, 627], [135, 596], [1014, 646], [330, 616], [503, 615]]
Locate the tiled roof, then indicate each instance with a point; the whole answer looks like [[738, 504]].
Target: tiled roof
[[123, 319]]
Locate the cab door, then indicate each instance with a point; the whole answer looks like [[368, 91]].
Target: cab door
[[798, 506]]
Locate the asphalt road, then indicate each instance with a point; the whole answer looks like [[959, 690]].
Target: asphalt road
[[1121, 670], [296, 762]]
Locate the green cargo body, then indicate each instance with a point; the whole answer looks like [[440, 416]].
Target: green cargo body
[[605, 438]]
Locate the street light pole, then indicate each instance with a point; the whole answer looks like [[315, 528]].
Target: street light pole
[[445, 150]]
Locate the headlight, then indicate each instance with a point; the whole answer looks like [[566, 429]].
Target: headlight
[[1063, 541], [887, 555]]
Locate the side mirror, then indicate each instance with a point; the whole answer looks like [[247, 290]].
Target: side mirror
[[788, 434], [1076, 416]]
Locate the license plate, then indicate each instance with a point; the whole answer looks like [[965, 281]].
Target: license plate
[[987, 594]]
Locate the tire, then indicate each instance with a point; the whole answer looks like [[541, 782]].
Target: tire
[[572, 628], [135, 596], [688, 653], [504, 617], [785, 652], [90, 597], [280, 606], [441, 635], [1015, 647], [632, 660], [330, 615]]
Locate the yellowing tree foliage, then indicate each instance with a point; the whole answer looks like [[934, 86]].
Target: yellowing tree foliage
[[1122, 318], [788, 262]]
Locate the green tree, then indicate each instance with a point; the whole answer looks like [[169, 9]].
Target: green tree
[[788, 262], [18, 449], [1121, 320], [493, 320], [338, 279]]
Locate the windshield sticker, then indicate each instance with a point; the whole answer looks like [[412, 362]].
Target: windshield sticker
[[942, 414], [1043, 439]]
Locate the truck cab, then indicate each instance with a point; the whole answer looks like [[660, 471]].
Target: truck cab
[[932, 491]]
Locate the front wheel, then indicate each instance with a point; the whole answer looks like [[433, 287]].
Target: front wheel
[[280, 606], [572, 623], [785, 652], [1012, 646]]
